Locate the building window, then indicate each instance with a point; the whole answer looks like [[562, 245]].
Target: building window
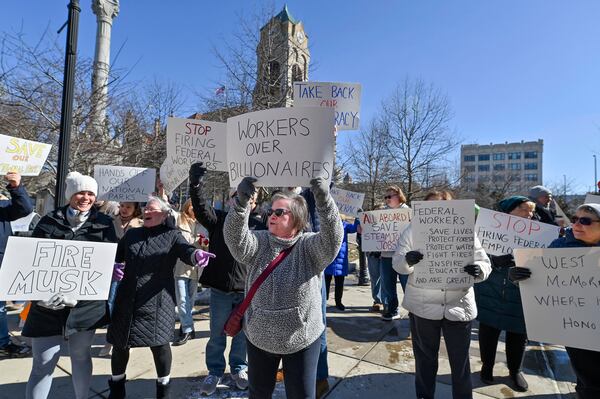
[[514, 155], [514, 178], [498, 177], [531, 176], [530, 154], [498, 157], [483, 157], [274, 71], [469, 168], [484, 179], [514, 166], [499, 166], [469, 158], [296, 73], [483, 168], [470, 179], [531, 166]]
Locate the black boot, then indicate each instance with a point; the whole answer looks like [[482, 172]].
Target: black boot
[[183, 338], [163, 391], [117, 389], [487, 374], [518, 381]]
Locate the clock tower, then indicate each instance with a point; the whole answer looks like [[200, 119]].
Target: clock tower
[[282, 58]]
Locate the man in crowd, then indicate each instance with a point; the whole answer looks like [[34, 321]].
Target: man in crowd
[[542, 198]]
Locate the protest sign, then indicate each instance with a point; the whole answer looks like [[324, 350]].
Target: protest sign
[[122, 183], [24, 156], [381, 229], [348, 202], [592, 199], [561, 299], [500, 233], [443, 231], [37, 268], [22, 224], [343, 97], [281, 147]]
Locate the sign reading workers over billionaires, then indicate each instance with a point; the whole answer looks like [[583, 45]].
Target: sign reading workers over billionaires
[[36, 268], [561, 300], [382, 228], [343, 97], [281, 147], [500, 233], [443, 231], [24, 156], [348, 202], [122, 183]]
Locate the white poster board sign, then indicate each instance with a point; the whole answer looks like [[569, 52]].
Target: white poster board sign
[[381, 229], [24, 156], [281, 147], [22, 224], [123, 183], [560, 300], [443, 231], [343, 97], [348, 202], [500, 233], [592, 199], [37, 268]]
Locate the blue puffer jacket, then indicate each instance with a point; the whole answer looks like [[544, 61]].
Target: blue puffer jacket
[[569, 241], [339, 266]]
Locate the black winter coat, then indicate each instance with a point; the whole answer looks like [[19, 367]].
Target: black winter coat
[[223, 272], [86, 315], [15, 208], [544, 215], [144, 310]]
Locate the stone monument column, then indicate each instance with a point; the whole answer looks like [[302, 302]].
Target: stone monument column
[[106, 11]]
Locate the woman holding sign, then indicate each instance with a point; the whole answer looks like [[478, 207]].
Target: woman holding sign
[[284, 320], [436, 311], [585, 232]]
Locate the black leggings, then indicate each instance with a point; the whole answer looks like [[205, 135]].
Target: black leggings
[[339, 287], [515, 348], [162, 360]]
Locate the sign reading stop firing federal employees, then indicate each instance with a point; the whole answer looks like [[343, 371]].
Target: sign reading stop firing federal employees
[[382, 228], [281, 147], [343, 97], [443, 232], [562, 298]]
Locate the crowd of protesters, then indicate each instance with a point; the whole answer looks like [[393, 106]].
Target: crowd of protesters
[[276, 268]]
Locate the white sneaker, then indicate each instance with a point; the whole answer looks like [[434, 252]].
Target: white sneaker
[[241, 379], [209, 385]]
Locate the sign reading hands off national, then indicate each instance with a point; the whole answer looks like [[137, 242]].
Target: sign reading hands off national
[[561, 300], [122, 183], [37, 268], [281, 147]]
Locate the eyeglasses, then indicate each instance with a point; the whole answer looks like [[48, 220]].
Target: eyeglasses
[[584, 221], [387, 197], [278, 212]]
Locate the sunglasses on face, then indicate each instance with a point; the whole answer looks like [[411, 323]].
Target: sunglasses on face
[[387, 197], [278, 212], [584, 221]]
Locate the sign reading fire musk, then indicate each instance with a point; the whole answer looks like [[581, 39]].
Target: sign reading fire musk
[[382, 228]]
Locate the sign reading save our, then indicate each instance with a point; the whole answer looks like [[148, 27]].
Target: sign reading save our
[[24, 156]]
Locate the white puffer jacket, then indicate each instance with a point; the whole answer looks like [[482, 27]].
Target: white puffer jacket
[[437, 303]]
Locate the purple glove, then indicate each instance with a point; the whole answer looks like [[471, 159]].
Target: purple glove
[[118, 271], [201, 257]]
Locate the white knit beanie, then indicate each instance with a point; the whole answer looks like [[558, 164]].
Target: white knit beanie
[[76, 182]]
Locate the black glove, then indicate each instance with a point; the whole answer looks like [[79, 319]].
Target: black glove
[[197, 171], [245, 191], [320, 189], [473, 270], [503, 260], [519, 273], [413, 257]]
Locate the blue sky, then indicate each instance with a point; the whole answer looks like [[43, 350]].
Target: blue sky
[[513, 70]]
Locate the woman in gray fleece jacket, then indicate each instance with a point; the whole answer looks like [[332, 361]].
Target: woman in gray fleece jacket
[[284, 319]]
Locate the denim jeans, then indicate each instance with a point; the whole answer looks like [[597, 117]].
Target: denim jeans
[[221, 305], [374, 264], [4, 338], [322, 365], [389, 279], [186, 292]]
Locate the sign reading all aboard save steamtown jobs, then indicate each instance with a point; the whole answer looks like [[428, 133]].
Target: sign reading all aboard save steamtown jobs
[[281, 147]]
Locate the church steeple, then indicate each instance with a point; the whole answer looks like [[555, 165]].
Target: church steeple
[[282, 58]]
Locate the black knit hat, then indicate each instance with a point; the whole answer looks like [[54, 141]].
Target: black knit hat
[[510, 203]]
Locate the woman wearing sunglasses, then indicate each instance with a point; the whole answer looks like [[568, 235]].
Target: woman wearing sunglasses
[[284, 320], [585, 232]]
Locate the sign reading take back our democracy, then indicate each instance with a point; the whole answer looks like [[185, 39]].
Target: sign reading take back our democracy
[[562, 297], [343, 97], [24, 156], [122, 183], [348, 202], [382, 228], [501, 233], [443, 231], [281, 147], [37, 268]]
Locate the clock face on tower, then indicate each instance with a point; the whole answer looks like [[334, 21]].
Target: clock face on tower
[[300, 37]]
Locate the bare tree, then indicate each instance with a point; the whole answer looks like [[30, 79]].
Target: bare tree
[[416, 121]]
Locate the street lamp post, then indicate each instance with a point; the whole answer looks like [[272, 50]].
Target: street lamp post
[[66, 111], [595, 175]]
